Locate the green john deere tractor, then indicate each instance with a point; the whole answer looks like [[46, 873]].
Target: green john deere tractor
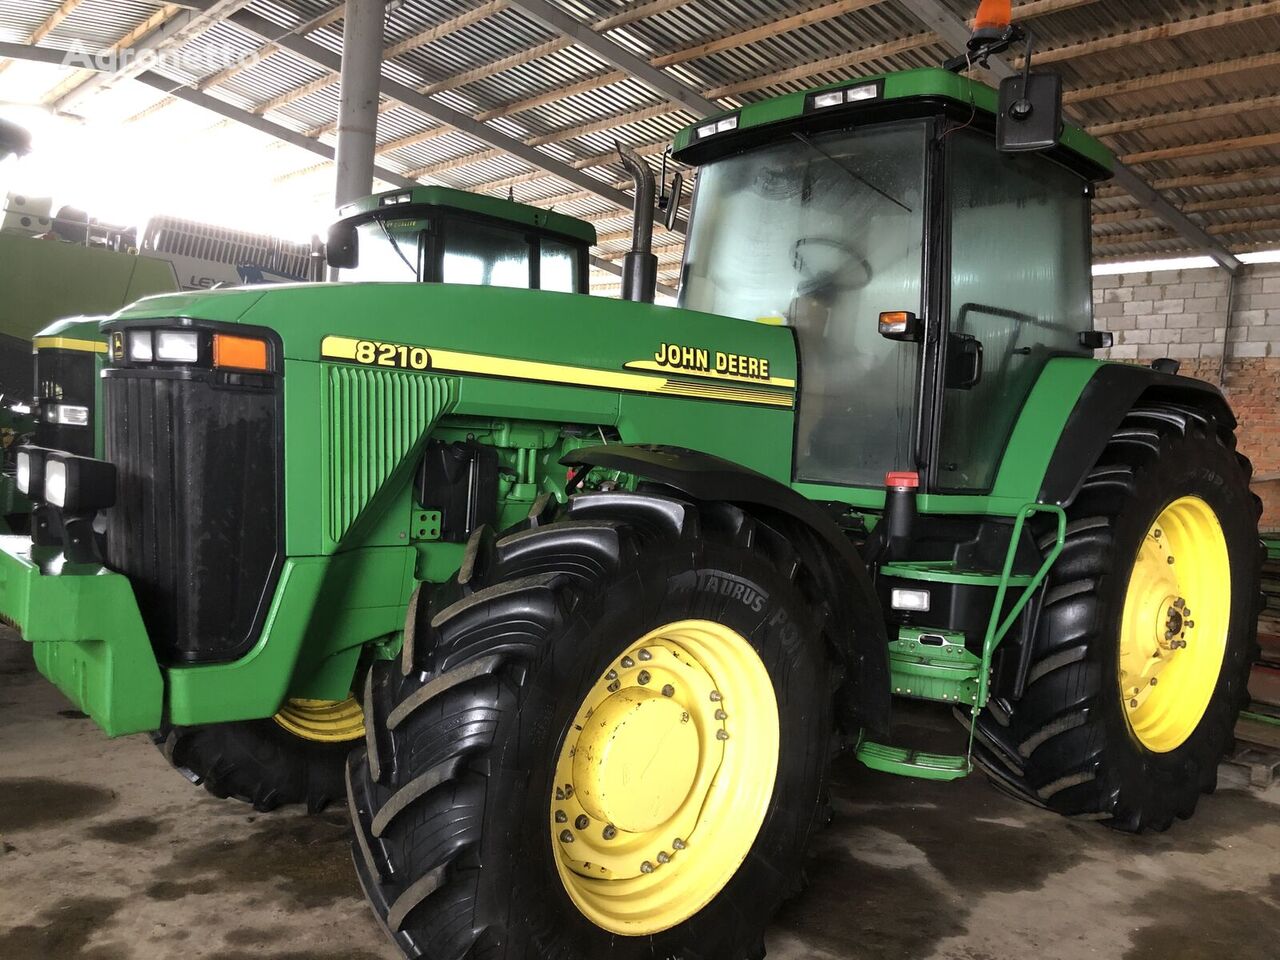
[[579, 596]]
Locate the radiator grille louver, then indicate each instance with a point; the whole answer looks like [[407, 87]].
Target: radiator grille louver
[[376, 418], [196, 524]]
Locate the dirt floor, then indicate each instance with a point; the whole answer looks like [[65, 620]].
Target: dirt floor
[[107, 854]]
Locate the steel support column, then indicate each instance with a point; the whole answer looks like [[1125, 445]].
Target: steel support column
[[361, 76]]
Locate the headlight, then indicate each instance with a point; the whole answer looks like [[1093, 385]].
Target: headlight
[[140, 346], [24, 471], [30, 478], [55, 482], [79, 485], [177, 346], [67, 414]]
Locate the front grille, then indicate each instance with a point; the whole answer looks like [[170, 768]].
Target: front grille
[[196, 526]]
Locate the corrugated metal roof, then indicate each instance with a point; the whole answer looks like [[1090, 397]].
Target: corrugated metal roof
[[528, 82]]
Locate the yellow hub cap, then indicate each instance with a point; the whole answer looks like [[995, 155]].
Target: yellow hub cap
[[1173, 634], [326, 721], [665, 777]]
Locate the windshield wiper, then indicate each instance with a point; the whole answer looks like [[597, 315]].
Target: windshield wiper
[[382, 224], [852, 173]]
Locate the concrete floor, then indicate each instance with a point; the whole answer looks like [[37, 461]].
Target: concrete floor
[[107, 854]]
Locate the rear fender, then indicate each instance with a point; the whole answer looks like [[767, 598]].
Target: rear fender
[[1107, 398]]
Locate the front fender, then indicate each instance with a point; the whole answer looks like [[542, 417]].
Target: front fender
[[864, 643]]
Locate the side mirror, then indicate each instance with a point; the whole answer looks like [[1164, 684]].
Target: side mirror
[[964, 362], [1030, 115], [342, 250]]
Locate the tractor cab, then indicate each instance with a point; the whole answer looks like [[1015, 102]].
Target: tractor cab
[[439, 235], [928, 274]]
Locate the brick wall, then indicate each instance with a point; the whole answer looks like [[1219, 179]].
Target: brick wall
[[1183, 314]]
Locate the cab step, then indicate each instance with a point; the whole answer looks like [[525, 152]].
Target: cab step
[[905, 762]]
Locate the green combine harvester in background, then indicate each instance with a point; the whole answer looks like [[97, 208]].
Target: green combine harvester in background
[[578, 596]]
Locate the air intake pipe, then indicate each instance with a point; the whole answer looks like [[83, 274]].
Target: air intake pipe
[[640, 266]]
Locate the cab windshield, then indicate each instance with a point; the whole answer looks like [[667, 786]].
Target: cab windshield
[[823, 233], [436, 247]]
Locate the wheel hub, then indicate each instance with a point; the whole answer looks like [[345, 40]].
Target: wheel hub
[[637, 760], [661, 786]]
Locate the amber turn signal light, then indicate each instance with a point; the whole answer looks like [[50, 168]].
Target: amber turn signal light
[[239, 353], [900, 325]]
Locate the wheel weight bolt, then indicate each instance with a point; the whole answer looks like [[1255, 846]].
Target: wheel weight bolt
[[722, 734], [1133, 703], [668, 691], [715, 696], [582, 822], [646, 867], [1171, 561], [677, 844], [664, 857], [609, 832], [642, 677], [721, 715]]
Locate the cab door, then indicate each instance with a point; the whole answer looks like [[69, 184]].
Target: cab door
[[1020, 293]]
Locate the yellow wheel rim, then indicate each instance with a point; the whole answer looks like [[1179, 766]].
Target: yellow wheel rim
[[325, 721], [665, 777], [1173, 635]]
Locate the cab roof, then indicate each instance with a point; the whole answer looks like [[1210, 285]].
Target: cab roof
[[929, 85], [495, 207]]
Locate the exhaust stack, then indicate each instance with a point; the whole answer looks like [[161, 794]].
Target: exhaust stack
[[640, 266]]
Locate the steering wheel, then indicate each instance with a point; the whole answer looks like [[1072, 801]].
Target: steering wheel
[[828, 266]]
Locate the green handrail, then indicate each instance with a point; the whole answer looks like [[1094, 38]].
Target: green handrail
[[997, 628]]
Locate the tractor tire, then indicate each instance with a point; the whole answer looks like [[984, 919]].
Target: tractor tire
[[1143, 530], [260, 762], [464, 820]]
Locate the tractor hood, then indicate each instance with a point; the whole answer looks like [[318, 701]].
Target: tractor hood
[[318, 322]]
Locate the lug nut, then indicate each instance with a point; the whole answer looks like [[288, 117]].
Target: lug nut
[[611, 675], [568, 791], [1154, 681], [646, 867], [1133, 703], [645, 655], [609, 832], [642, 677], [722, 734], [664, 857], [582, 822], [628, 662], [668, 691], [566, 836], [715, 696], [613, 687], [1171, 561], [559, 793], [721, 715], [677, 844], [561, 817], [1179, 603]]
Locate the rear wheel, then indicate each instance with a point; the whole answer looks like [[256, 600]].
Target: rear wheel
[[296, 757], [1148, 629], [613, 743]]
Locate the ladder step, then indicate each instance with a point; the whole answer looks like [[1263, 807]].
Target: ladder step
[[913, 763]]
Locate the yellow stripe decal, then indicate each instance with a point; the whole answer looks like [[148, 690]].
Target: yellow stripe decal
[[376, 353], [68, 343]]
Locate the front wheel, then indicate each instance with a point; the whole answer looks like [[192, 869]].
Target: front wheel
[[1147, 633], [295, 757], [612, 744]]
